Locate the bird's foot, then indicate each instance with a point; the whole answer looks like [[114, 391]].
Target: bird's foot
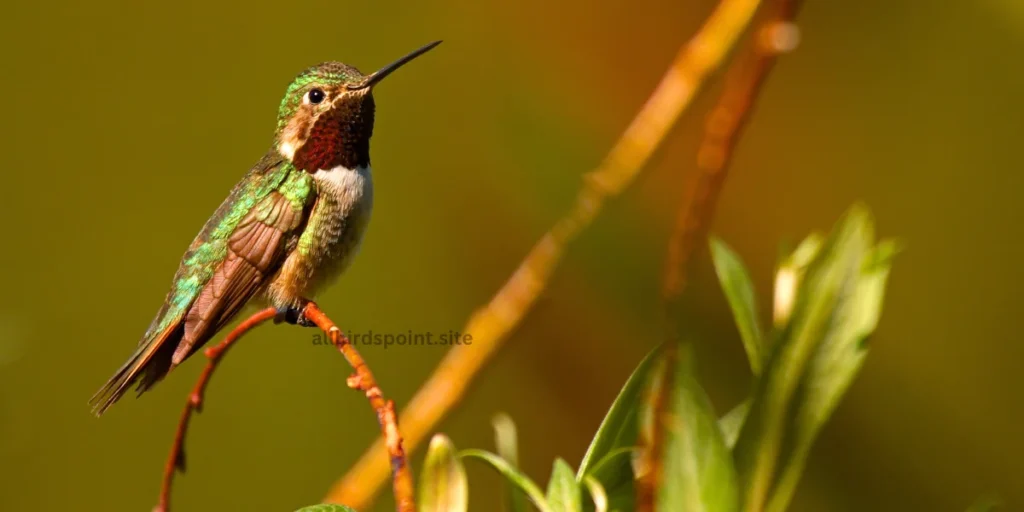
[[292, 316]]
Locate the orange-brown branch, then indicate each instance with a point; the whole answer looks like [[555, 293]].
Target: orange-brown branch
[[176, 460], [744, 81], [362, 380], [725, 124]]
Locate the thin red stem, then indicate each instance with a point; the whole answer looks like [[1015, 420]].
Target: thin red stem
[[744, 82], [176, 460], [774, 35], [363, 380]]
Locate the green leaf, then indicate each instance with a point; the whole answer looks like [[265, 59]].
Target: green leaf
[[835, 363], [597, 493], [618, 430], [616, 467], [326, 507], [807, 312], [697, 468], [508, 448], [621, 456], [608, 457], [683, 463], [827, 314], [563, 492], [739, 292], [443, 486], [513, 475], [732, 423]]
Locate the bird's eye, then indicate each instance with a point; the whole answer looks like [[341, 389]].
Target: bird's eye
[[316, 96]]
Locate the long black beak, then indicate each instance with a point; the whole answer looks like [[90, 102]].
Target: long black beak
[[379, 75]]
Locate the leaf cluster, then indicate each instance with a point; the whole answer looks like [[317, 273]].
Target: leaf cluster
[[662, 439]]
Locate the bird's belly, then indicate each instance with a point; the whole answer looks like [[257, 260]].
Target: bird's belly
[[330, 239], [338, 252]]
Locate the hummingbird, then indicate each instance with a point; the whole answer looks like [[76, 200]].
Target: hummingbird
[[290, 227]]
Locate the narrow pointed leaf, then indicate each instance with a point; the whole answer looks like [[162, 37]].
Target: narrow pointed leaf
[[608, 457], [619, 427], [739, 292], [829, 280], [614, 473], [513, 475], [683, 462], [835, 364], [622, 456], [563, 491], [443, 486], [598, 496], [697, 468], [326, 507], [732, 423], [507, 444]]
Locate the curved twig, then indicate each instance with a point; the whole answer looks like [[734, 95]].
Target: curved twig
[[362, 380], [176, 460]]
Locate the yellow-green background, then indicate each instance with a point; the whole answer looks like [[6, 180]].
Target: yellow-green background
[[125, 124]]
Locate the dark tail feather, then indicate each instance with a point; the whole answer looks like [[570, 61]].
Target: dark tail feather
[[147, 366]]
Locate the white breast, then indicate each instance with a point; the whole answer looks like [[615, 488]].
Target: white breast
[[344, 181], [344, 206]]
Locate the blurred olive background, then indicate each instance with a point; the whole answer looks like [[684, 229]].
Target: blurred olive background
[[126, 123]]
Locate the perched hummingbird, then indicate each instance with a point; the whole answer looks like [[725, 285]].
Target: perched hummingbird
[[291, 225]]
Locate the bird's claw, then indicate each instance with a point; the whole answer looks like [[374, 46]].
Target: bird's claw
[[292, 316]]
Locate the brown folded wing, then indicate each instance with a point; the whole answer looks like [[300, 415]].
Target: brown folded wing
[[255, 251]]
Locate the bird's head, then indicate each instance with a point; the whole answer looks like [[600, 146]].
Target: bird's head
[[326, 117]]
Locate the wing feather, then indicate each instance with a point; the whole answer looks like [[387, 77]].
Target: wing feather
[[255, 250], [228, 262]]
